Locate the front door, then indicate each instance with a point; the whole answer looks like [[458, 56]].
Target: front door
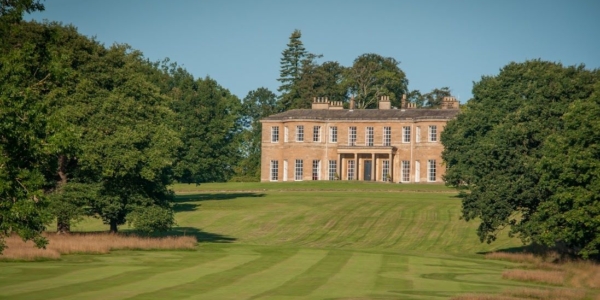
[[367, 172]]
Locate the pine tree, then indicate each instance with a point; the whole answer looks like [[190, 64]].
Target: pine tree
[[290, 72]]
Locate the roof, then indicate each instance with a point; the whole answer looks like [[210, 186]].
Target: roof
[[363, 114]]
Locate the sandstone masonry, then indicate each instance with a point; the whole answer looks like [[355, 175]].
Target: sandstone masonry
[[329, 142]]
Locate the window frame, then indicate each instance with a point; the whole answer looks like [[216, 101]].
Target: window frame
[[369, 136], [274, 134], [316, 169], [433, 133], [406, 134], [405, 171], [299, 133], [317, 134], [387, 136], [385, 170], [352, 136], [350, 172], [298, 170], [333, 134], [274, 170], [332, 169], [431, 170]]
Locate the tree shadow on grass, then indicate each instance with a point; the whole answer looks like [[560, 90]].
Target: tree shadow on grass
[[183, 203], [201, 236], [214, 196]]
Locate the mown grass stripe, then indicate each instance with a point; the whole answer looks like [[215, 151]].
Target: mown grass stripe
[[355, 279], [166, 279], [66, 279], [268, 257], [313, 278], [267, 279]]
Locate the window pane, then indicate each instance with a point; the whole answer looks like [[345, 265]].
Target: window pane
[[300, 133], [332, 169], [298, 170], [406, 134]]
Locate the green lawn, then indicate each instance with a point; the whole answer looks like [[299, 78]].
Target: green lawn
[[286, 241]]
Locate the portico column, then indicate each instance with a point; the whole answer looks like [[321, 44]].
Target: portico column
[[373, 167]]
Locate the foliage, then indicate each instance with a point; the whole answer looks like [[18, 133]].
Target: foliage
[[570, 168], [493, 148], [290, 70], [372, 76], [11, 11], [151, 219], [208, 119], [257, 104]]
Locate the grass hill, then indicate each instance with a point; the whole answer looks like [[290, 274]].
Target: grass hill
[[305, 240]]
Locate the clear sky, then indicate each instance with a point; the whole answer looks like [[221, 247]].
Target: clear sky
[[438, 42]]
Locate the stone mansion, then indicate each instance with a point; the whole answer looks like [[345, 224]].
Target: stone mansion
[[329, 142]]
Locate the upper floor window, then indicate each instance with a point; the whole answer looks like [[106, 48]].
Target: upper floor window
[[406, 134], [317, 134], [333, 134], [418, 135], [285, 134], [352, 136], [387, 136], [432, 133], [275, 134], [369, 136], [300, 133]]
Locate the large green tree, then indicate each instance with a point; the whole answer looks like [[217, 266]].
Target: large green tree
[[494, 147], [292, 59], [257, 104], [208, 119], [372, 76]]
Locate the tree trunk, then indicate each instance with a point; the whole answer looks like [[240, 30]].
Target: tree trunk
[[113, 226], [63, 226]]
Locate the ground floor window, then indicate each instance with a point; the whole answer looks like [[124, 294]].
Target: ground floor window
[[405, 171], [332, 169], [299, 170], [351, 169], [316, 170], [274, 170], [431, 170], [385, 171]]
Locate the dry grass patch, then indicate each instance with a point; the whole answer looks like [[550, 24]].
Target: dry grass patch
[[483, 297], [527, 258], [96, 243], [541, 276], [549, 294]]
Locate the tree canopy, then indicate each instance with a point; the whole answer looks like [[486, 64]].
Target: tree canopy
[[497, 151]]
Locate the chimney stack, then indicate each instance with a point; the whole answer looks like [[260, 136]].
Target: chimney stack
[[320, 103], [352, 104], [384, 102], [403, 102], [449, 103]]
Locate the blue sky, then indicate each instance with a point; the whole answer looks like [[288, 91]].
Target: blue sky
[[438, 42]]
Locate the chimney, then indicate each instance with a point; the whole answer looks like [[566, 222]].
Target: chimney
[[320, 103], [411, 105], [403, 103], [352, 104], [449, 103], [336, 105], [384, 102]]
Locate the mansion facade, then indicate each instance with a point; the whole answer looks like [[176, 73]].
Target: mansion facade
[[329, 142]]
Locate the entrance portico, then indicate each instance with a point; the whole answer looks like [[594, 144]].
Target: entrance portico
[[365, 162]]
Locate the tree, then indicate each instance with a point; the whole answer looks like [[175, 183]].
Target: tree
[[11, 11], [434, 98], [372, 76], [127, 142], [290, 70], [209, 122], [570, 168], [494, 147], [257, 104]]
